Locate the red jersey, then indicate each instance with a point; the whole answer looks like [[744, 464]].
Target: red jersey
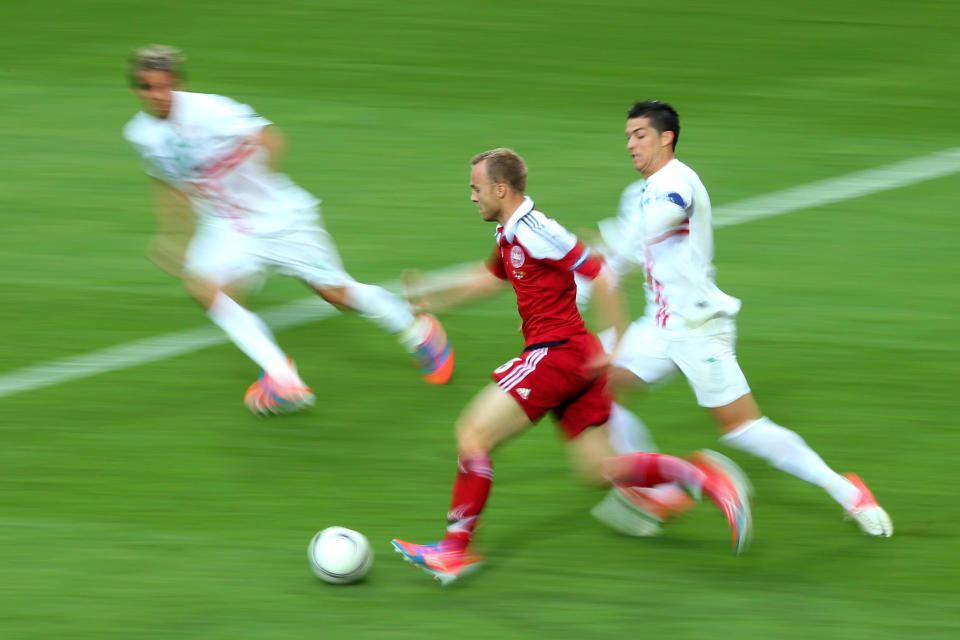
[[539, 257]]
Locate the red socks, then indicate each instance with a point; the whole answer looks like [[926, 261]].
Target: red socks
[[470, 491], [650, 469]]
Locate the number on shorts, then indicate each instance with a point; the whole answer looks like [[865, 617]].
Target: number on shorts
[[506, 365]]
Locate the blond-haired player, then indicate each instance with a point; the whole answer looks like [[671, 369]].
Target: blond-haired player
[[225, 214], [554, 373]]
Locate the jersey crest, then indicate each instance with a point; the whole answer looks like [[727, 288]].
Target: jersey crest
[[516, 257]]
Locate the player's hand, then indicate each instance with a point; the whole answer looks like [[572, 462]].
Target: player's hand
[[599, 364], [167, 254]]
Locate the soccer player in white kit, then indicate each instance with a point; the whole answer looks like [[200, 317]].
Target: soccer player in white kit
[[554, 373], [219, 158], [664, 225]]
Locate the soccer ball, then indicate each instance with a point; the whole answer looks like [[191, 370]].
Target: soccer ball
[[340, 556]]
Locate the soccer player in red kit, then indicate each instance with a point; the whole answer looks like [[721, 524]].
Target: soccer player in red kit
[[556, 372]]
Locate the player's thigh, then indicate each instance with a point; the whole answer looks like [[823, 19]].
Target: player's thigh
[[220, 257], [710, 365], [308, 253], [492, 417], [644, 352]]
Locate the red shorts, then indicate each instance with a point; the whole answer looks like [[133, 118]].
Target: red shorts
[[556, 378]]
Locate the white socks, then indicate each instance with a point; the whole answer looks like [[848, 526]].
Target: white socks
[[763, 438], [389, 312], [253, 337], [628, 434], [788, 452]]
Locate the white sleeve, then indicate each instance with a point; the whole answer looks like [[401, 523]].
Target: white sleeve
[[675, 195], [629, 198], [228, 117], [134, 135], [544, 238]]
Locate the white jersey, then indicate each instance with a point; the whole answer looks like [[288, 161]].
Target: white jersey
[[203, 149], [664, 223]]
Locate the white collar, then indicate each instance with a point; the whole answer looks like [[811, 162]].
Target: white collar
[[525, 207]]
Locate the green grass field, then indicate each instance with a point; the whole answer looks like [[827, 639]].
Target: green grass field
[[147, 503]]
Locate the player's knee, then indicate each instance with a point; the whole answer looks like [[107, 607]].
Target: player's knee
[[202, 291], [471, 445], [336, 296], [472, 438]]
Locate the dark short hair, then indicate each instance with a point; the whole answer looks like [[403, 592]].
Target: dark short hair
[[661, 115], [156, 57], [504, 165]]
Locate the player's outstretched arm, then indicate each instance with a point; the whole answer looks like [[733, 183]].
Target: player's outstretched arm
[[431, 292], [174, 228], [608, 302]]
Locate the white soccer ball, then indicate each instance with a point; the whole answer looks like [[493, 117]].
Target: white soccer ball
[[340, 556]]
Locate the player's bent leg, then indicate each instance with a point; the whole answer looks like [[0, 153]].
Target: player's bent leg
[[310, 254], [787, 451], [491, 418], [617, 511], [636, 511], [711, 473], [386, 310], [421, 335]]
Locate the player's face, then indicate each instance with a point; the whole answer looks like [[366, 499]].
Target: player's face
[[155, 88], [483, 193], [649, 149]]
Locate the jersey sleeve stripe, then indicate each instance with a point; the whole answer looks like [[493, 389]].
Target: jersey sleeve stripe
[[683, 229], [583, 258], [554, 239]]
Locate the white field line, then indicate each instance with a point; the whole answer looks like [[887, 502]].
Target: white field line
[[301, 312], [853, 185]]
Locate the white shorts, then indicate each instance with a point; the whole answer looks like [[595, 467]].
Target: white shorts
[[706, 356], [223, 255]]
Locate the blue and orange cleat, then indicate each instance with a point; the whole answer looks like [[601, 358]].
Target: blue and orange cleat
[[728, 486], [434, 354], [267, 397], [445, 561]]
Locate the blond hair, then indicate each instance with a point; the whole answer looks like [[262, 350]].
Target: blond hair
[[156, 57], [504, 165]]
